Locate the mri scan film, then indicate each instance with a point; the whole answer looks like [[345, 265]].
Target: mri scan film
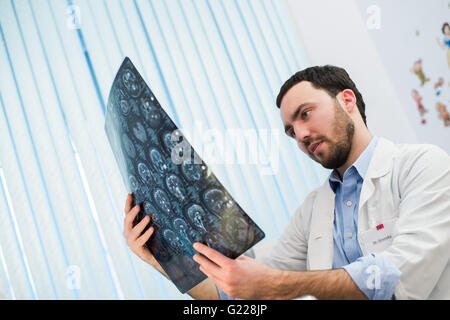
[[185, 201]]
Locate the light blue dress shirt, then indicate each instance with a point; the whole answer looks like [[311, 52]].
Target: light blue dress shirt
[[375, 275]]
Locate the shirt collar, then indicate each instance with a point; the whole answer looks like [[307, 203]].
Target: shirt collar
[[359, 167]]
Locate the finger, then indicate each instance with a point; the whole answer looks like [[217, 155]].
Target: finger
[[137, 230], [207, 267], [217, 281], [208, 274], [129, 218], [145, 236], [213, 255], [128, 203]]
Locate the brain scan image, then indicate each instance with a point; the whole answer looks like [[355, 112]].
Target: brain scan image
[[144, 172], [237, 228], [157, 160], [131, 84], [175, 186], [119, 95], [181, 227], [125, 107], [216, 241], [128, 146], [169, 143], [162, 201], [130, 166], [194, 236], [159, 220], [210, 220], [184, 199], [151, 113], [139, 132], [214, 200], [150, 210], [195, 214], [192, 172], [173, 240], [229, 203], [133, 183]]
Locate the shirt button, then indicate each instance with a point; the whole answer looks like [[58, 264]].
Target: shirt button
[[350, 235], [349, 203]]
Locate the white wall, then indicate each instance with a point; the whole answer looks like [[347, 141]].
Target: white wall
[[335, 32]]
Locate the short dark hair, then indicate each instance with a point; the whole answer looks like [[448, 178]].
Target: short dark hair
[[330, 78], [443, 27]]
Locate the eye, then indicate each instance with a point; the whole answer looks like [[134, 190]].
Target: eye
[[291, 133], [305, 114]]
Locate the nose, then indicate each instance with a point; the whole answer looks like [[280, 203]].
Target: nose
[[302, 134]]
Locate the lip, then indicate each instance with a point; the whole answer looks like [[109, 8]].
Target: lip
[[316, 145]]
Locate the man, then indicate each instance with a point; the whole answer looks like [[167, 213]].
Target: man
[[378, 228]]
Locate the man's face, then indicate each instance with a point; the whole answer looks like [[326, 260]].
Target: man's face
[[321, 127]]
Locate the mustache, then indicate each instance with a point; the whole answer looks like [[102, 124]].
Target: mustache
[[310, 141]]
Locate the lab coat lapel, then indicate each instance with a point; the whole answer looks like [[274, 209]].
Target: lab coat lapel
[[380, 164], [321, 242], [320, 245]]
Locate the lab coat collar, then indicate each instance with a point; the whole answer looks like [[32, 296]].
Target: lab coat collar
[[382, 159], [380, 165]]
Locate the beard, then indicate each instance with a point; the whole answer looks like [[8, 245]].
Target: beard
[[343, 130]]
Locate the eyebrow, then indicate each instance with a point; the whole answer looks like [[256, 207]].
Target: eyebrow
[[294, 115]]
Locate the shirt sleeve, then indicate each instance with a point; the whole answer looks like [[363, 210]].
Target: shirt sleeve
[[375, 275], [223, 295]]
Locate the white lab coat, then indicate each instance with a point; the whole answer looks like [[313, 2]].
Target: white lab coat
[[409, 183]]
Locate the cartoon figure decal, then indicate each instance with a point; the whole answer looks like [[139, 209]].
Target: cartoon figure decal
[[438, 86], [417, 69], [445, 43], [439, 89], [416, 96], [443, 113]]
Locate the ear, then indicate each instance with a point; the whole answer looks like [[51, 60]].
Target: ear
[[349, 100]]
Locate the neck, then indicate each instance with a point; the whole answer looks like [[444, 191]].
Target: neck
[[360, 142]]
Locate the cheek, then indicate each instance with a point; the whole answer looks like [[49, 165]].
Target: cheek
[[302, 147], [322, 126]]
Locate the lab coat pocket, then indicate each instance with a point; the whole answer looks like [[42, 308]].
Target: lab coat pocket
[[378, 238]]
